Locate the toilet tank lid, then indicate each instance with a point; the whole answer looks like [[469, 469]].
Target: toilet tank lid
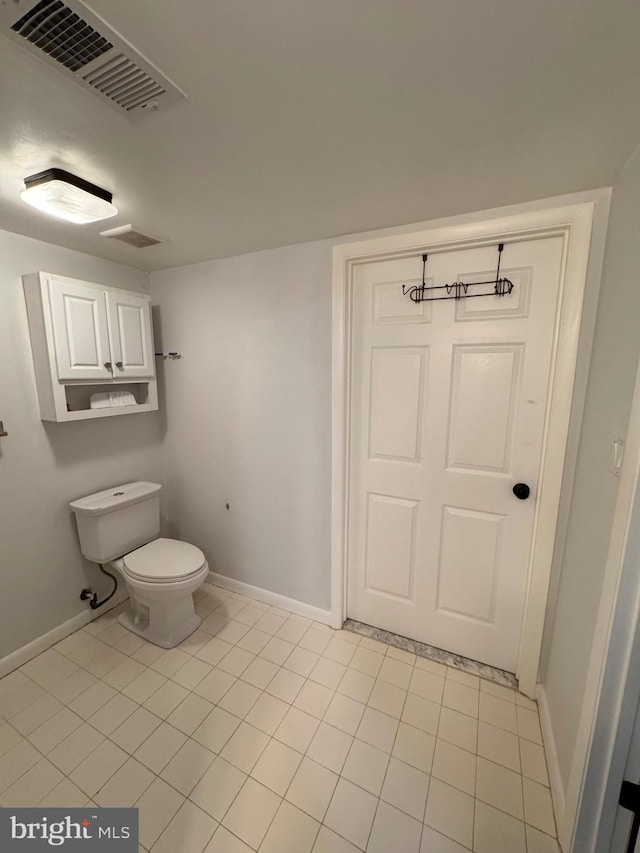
[[115, 498]]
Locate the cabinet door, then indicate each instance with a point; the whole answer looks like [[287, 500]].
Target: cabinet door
[[80, 330], [131, 338]]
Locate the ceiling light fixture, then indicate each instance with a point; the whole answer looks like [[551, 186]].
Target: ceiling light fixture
[[67, 196]]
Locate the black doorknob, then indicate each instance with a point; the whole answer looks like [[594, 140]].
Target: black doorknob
[[521, 491]]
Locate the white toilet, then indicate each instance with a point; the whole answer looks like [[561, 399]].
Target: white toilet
[[119, 527]]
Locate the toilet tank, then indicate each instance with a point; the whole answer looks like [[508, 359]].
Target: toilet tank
[[117, 520]]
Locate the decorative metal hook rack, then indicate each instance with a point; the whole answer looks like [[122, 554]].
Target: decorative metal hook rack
[[457, 289]]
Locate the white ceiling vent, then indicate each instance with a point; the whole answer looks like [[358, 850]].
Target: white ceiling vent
[[69, 35], [132, 236]]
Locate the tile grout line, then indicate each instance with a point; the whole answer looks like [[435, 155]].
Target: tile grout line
[[475, 776], [377, 679], [388, 762], [189, 737], [158, 775]]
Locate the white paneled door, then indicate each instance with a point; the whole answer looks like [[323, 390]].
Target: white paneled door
[[448, 404]]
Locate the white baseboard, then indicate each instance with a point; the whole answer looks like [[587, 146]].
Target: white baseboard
[[46, 641], [41, 644], [551, 752], [300, 608]]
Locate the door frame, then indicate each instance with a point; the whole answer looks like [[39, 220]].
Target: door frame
[[573, 223], [612, 692]]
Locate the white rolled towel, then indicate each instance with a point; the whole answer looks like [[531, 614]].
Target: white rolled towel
[[105, 399], [99, 401], [122, 398]]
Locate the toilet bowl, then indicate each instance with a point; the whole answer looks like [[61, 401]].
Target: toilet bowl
[[162, 577], [119, 527]]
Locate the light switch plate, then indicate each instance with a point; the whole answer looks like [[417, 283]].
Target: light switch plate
[[617, 453]]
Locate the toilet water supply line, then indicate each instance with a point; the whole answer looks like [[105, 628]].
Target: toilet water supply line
[[94, 603]]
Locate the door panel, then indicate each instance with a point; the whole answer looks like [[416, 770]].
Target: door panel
[[80, 330], [397, 382], [391, 306], [447, 406], [469, 561], [391, 531], [516, 305], [484, 392]]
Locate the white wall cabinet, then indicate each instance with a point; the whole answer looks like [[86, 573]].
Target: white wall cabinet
[[86, 339]]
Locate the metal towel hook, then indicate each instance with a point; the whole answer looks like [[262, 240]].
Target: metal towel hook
[[457, 289]]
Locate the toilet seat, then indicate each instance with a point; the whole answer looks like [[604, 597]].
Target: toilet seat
[[164, 561]]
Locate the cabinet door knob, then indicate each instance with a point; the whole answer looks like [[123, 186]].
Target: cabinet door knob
[[119, 365], [107, 364]]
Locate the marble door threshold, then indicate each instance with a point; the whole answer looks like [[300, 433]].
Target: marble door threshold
[[491, 673]]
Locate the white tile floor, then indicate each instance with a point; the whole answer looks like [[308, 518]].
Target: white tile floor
[[267, 732]]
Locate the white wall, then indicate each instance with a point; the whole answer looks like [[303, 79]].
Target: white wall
[[44, 465], [616, 349], [249, 414], [249, 404], [614, 752]]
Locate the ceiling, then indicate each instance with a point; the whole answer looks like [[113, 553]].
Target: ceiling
[[307, 119]]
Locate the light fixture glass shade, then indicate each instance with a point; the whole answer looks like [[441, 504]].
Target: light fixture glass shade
[[75, 200]]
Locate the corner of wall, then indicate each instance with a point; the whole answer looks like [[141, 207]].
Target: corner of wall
[[558, 793]]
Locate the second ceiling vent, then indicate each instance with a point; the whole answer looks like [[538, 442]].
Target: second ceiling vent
[[132, 236], [69, 36]]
